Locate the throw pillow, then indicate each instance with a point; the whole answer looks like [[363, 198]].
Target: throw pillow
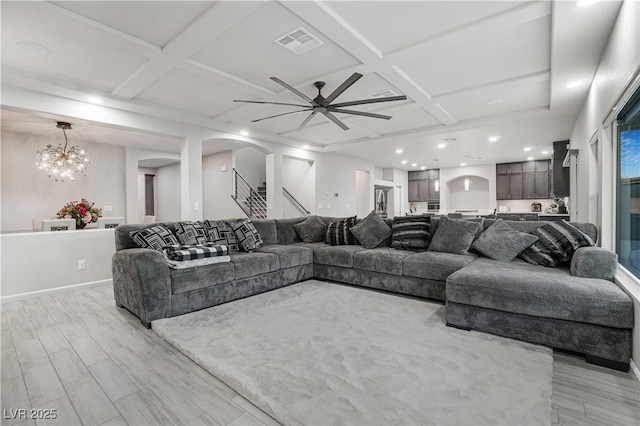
[[411, 233], [502, 242], [220, 232], [339, 232], [248, 238], [557, 241], [371, 231], [454, 236], [311, 230], [190, 233], [154, 237]]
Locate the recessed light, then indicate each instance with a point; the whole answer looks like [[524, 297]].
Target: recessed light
[[529, 158], [423, 168], [94, 100], [399, 151], [494, 102], [574, 84], [32, 47], [404, 161], [305, 146], [463, 164], [244, 133], [414, 164], [527, 148], [442, 145], [494, 138], [545, 152]]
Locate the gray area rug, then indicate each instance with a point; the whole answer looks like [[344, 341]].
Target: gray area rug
[[322, 353]]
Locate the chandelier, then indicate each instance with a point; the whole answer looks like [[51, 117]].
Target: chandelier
[[60, 163]]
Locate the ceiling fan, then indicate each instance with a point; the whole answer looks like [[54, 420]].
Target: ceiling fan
[[323, 105]]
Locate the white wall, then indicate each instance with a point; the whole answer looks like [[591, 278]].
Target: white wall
[[619, 62], [299, 178], [38, 261], [217, 187], [363, 196], [335, 173], [477, 197], [28, 193], [167, 188], [449, 174], [252, 165]]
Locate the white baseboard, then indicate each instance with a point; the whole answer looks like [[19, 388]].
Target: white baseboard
[[634, 370], [40, 293]]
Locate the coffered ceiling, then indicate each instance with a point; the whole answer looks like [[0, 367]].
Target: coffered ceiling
[[470, 69]]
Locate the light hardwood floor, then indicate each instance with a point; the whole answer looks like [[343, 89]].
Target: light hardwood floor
[[93, 363]]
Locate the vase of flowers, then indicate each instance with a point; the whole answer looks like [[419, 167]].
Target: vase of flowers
[[83, 212]]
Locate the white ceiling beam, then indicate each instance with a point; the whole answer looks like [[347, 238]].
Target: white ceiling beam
[[213, 22]]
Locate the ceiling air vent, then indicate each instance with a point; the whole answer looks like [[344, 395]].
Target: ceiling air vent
[[299, 41], [450, 140], [383, 94]]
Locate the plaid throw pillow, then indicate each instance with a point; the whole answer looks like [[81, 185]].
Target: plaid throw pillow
[[190, 233], [183, 253], [220, 232], [154, 237], [411, 233], [557, 241], [339, 233], [247, 235]]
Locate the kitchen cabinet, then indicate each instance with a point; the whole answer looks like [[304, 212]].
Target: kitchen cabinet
[[422, 186], [518, 216], [522, 180], [560, 175]]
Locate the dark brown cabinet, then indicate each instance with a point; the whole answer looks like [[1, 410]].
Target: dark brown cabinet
[[523, 180], [424, 186]]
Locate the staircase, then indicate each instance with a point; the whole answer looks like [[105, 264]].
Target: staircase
[[252, 202]]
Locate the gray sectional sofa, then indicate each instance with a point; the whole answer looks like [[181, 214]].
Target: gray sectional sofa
[[577, 308]]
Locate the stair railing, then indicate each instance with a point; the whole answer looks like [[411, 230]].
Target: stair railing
[[247, 198], [295, 201]]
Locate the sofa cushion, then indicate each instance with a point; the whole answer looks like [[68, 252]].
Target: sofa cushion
[[155, 237], [313, 246], [255, 263], [338, 233], [311, 230], [383, 259], [266, 229], [247, 235], [411, 232], [190, 233], [434, 265], [502, 242], [542, 292], [183, 280], [336, 255], [371, 231], [221, 232], [286, 231], [557, 241], [454, 236], [289, 255]]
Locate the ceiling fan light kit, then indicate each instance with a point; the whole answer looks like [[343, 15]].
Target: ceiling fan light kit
[[324, 106]]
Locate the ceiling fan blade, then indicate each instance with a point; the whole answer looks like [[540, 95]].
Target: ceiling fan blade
[[266, 102], [362, 113], [371, 101], [279, 115], [344, 86], [335, 120], [294, 90], [306, 120]]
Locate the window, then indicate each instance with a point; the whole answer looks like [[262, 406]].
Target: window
[[628, 186]]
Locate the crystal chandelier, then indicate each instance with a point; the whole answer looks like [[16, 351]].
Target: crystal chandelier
[[60, 163]]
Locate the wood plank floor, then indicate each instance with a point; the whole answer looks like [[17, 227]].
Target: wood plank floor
[[93, 363]]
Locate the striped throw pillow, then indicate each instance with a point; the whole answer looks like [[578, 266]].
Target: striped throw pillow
[[557, 241], [339, 233], [411, 233]]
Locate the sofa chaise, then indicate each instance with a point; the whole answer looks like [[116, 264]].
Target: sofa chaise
[[577, 308]]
